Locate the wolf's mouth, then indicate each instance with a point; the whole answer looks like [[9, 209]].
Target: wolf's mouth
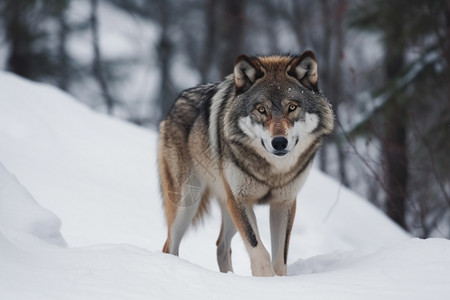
[[280, 153]]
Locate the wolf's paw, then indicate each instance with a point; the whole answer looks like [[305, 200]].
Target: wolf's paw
[[264, 270], [280, 269]]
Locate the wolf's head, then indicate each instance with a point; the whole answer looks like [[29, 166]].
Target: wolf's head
[[280, 102]]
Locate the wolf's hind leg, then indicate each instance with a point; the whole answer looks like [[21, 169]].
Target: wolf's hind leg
[[186, 209], [171, 192], [227, 231]]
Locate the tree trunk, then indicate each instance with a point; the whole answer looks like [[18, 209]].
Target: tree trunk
[[63, 58], [325, 71], [447, 34], [298, 20], [165, 53], [232, 33], [396, 155], [19, 34], [395, 144], [209, 49], [336, 85], [447, 45], [98, 68]]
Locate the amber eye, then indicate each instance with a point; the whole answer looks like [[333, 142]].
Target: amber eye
[[262, 109], [292, 107]]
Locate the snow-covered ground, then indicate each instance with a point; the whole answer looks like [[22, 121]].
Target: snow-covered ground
[[81, 218]]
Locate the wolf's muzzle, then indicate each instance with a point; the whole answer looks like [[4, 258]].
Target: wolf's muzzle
[[280, 145]]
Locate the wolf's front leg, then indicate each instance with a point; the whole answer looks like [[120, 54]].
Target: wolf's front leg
[[281, 220], [244, 217]]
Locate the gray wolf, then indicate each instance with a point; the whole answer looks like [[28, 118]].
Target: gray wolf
[[247, 140]]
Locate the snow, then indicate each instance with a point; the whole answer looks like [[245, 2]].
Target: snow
[[81, 218]]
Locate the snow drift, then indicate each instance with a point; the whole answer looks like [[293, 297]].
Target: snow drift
[[81, 218]]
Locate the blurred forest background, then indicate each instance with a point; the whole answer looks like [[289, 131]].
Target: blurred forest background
[[384, 65]]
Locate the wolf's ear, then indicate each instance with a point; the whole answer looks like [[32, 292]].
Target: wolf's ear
[[304, 68], [246, 72]]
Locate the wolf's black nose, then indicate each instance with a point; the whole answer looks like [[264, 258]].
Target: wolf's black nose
[[279, 143]]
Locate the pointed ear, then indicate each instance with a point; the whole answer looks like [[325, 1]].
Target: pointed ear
[[304, 68], [246, 71]]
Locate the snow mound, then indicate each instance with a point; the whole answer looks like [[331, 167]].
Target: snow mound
[[98, 176], [22, 216]]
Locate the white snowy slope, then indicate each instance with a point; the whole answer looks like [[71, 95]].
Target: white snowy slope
[[81, 218]]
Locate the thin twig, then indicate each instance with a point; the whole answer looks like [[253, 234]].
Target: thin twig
[[374, 173]]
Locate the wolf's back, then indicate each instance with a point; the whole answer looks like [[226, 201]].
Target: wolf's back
[[190, 105]]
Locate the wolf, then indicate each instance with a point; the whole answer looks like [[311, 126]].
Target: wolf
[[247, 140]]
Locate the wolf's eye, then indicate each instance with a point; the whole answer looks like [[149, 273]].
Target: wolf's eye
[[292, 107], [262, 109]]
